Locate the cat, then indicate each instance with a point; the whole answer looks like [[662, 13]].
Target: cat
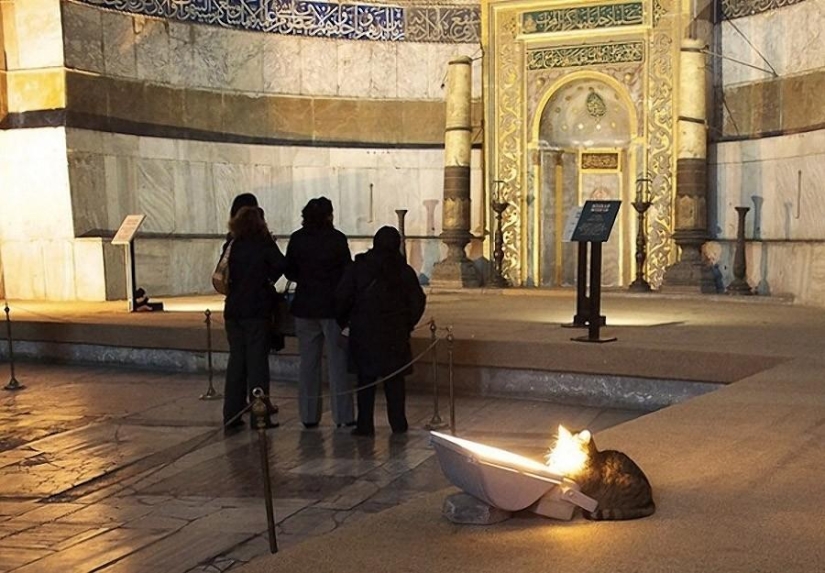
[[620, 487]]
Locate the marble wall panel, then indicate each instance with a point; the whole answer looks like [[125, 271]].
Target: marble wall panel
[[431, 183], [281, 64], [784, 174], [83, 37], [89, 273], [355, 211], [194, 198], [183, 67], [384, 71], [154, 57], [193, 261], [412, 83], [225, 59], [87, 180], [59, 270], [354, 73], [790, 39], [153, 270], [394, 189], [121, 189], [319, 67], [37, 38], [119, 54], [283, 212], [23, 269], [155, 188], [354, 158], [229, 180], [35, 191]]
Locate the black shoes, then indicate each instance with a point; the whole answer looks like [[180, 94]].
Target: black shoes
[[310, 425], [233, 426]]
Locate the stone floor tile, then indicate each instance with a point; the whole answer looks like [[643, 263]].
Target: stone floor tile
[[11, 558], [157, 523], [112, 512], [53, 536], [13, 508], [93, 553], [180, 552], [350, 496], [46, 512]]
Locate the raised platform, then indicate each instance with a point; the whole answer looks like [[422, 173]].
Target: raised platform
[[507, 342]]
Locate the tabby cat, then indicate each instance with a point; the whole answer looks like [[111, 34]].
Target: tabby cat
[[614, 481]]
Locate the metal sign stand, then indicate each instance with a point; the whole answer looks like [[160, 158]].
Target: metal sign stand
[[126, 236]]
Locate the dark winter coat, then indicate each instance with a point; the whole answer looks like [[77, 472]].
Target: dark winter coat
[[316, 260], [380, 312], [254, 264]]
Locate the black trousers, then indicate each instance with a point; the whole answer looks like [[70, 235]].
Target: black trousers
[[395, 393], [248, 366]]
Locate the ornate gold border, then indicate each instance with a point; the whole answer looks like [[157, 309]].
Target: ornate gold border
[[509, 146]]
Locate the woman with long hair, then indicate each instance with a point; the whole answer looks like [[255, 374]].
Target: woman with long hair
[[255, 262], [317, 256], [381, 301]]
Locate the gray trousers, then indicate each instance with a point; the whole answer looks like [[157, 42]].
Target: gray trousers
[[314, 334]]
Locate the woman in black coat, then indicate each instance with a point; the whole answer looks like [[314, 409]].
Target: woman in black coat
[[381, 301], [255, 262]]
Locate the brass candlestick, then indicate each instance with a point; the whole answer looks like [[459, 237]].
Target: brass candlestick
[[499, 206], [641, 205]]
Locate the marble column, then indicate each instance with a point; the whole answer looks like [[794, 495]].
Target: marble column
[[691, 220], [456, 270]]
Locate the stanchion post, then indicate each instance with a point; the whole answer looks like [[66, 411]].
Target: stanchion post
[[450, 341], [260, 414], [211, 393], [13, 383], [435, 423]]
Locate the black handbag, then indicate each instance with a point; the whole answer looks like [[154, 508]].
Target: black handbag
[[282, 323]]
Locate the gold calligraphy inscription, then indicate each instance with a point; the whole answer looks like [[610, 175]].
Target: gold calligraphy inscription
[[593, 160], [589, 55], [582, 18]]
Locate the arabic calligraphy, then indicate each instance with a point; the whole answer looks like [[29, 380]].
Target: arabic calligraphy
[[588, 55], [593, 160], [291, 17], [582, 18], [443, 24], [739, 8]]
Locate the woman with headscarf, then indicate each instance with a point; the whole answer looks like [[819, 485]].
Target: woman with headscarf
[[255, 262], [317, 256], [381, 301]]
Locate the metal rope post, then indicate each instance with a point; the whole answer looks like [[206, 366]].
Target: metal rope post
[[13, 383], [450, 341], [436, 423], [260, 413], [211, 394]]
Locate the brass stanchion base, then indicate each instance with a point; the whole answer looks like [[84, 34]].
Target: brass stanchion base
[[436, 423], [13, 385], [211, 394]]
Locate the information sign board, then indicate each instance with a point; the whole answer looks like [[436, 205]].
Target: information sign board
[[127, 229], [596, 221]]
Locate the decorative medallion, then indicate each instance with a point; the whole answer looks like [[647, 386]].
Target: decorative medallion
[[582, 18], [596, 108]]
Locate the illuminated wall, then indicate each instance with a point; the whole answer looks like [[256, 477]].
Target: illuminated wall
[[171, 115], [770, 150]]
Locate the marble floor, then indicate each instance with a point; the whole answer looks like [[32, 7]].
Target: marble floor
[[114, 470]]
